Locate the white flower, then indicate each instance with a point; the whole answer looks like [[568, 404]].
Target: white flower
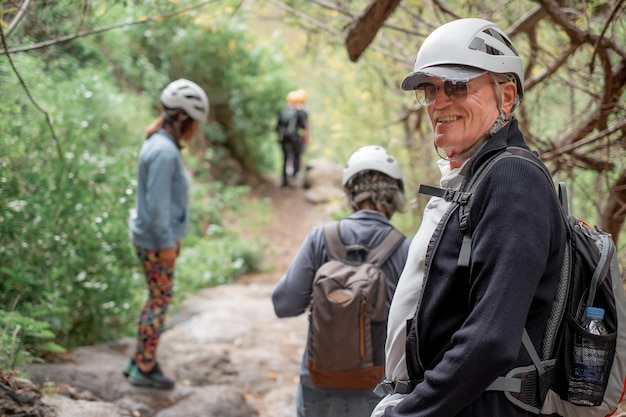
[[17, 205]]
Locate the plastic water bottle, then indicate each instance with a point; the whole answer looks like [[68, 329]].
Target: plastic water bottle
[[586, 386]]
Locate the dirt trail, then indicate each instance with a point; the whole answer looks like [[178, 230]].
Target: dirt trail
[[292, 218], [237, 322], [226, 337]]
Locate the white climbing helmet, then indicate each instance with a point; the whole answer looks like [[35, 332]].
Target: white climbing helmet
[[464, 49], [187, 96], [372, 158]]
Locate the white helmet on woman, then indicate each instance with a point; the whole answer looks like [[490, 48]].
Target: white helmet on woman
[[465, 49], [372, 158], [186, 96]]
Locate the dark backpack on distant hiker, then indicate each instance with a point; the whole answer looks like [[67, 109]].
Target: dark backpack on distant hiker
[[288, 125], [590, 276], [348, 313]]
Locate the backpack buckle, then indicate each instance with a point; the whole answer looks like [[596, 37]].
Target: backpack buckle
[[460, 197]]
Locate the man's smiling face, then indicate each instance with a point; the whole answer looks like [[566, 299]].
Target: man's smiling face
[[459, 125]]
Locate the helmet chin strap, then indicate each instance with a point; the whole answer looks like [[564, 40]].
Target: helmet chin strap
[[500, 122], [502, 119], [469, 152]]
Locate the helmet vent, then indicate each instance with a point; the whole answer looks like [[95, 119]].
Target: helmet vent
[[501, 38]]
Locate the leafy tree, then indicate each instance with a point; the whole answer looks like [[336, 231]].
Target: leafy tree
[[69, 148], [573, 110]]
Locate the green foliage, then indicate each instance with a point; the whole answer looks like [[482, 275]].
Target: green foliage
[[217, 259], [244, 78], [214, 254], [21, 335], [245, 85], [65, 193], [64, 206]]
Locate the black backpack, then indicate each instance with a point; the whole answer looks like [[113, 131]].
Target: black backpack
[[590, 276], [288, 125], [348, 313]]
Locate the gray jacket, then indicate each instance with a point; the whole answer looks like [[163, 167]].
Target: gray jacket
[[161, 214], [292, 295]]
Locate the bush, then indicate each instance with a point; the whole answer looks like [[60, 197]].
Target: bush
[[67, 179]]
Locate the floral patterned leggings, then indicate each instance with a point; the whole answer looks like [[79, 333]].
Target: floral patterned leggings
[[152, 317]]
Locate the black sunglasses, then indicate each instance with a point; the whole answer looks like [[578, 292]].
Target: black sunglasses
[[456, 90]]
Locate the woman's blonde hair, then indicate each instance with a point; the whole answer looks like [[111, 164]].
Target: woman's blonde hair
[[164, 118], [155, 126]]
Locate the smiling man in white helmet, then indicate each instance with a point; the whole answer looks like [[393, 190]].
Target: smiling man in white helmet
[[457, 319]]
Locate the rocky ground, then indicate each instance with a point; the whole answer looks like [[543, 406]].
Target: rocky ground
[[230, 355]]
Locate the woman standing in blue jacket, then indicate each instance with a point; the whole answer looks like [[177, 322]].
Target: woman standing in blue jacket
[[160, 218], [374, 189]]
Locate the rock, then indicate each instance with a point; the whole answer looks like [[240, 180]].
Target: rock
[[66, 407], [20, 397], [228, 352], [322, 181], [324, 194], [214, 401], [322, 172]]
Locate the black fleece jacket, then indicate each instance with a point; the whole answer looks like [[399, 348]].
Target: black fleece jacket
[[470, 321]]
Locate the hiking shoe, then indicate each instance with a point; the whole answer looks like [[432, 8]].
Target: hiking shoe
[[130, 364], [153, 379]]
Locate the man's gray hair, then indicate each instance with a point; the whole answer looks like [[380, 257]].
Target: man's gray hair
[[377, 188]]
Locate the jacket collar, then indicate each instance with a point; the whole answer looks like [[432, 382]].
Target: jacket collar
[[509, 135], [369, 215]]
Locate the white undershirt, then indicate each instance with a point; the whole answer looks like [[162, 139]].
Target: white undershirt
[[409, 287]]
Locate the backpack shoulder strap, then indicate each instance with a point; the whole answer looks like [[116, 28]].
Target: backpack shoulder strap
[[464, 210], [293, 120], [379, 254], [337, 249], [334, 245]]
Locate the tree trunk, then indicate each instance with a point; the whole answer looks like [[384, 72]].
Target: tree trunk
[[363, 29], [613, 215]]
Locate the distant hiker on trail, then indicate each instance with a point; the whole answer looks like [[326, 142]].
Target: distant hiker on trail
[[348, 302], [468, 296], [292, 127], [160, 218]]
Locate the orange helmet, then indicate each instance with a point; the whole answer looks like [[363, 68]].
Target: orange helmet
[[302, 96], [291, 97], [297, 96]]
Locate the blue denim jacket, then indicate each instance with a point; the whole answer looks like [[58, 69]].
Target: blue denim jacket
[[160, 217]]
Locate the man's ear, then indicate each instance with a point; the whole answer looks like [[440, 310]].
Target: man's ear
[[509, 93]]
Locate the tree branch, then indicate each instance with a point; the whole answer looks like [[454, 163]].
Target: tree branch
[[338, 34], [84, 33], [571, 146], [30, 97], [364, 28], [18, 17], [552, 67]]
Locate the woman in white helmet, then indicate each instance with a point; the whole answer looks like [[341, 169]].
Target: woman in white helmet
[[160, 218], [456, 324], [374, 190]]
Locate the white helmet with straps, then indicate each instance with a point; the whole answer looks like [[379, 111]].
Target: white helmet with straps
[[464, 49], [372, 158], [186, 96]]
